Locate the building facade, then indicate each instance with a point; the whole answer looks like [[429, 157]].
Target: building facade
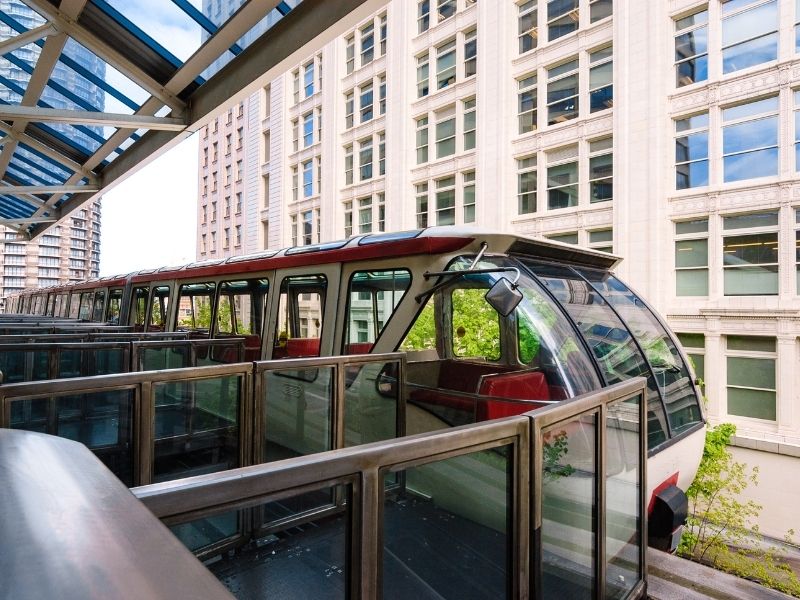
[[667, 132], [70, 250]]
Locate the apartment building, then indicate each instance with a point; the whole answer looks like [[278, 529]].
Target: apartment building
[[666, 132]]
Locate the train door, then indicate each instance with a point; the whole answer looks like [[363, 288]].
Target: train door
[[303, 310], [114, 306], [138, 312], [85, 309], [158, 315], [195, 308], [98, 306], [51, 299], [74, 305], [240, 313]]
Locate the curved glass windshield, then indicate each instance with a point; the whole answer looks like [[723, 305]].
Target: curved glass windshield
[[610, 340], [669, 368]]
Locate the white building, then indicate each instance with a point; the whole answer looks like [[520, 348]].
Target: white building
[[664, 132]]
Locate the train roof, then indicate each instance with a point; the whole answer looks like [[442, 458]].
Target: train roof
[[432, 240]]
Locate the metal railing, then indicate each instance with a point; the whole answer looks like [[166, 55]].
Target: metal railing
[[537, 496]]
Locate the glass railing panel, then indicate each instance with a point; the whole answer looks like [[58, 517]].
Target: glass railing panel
[[371, 395], [447, 532], [623, 495], [70, 363], [303, 561], [217, 353], [196, 426], [568, 499], [158, 358], [101, 420], [297, 410], [107, 361]]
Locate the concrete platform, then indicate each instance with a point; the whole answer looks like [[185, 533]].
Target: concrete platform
[[673, 578]]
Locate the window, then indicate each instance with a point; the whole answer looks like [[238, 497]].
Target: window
[[422, 140], [691, 258], [562, 18], [528, 31], [469, 124], [691, 151], [365, 102], [372, 299], [348, 219], [797, 129], [319, 124], [422, 204], [239, 170], [348, 165], [226, 241], [239, 201], [293, 227], [562, 92], [294, 184], [446, 9], [445, 133], [296, 85], [562, 185], [750, 140], [308, 227], [600, 9], [423, 75], [365, 215], [381, 211], [694, 344], [526, 109], [384, 33], [365, 159], [308, 178], [228, 174], [381, 153], [423, 16], [526, 185], [308, 79], [750, 259], [602, 239], [382, 95], [446, 201], [601, 170], [468, 190], [349, 107], [204, 218], [238, 235], [749, 34], [470, 53], [445, 65], [350, 53], [601, 78], [227, 207], [295, 135], [301, 305], [308, 129], [213, 241], [570, 237], [751, 381], [797, 247], [239, 137], [213, 211], [228, 144], [367, 44]]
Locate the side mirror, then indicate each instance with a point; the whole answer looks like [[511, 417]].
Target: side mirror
[[504, 296]]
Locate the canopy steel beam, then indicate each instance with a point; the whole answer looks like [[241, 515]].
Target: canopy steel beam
[[9, 222], [88, 117], [68, 25], [48, 189], [29, 37]]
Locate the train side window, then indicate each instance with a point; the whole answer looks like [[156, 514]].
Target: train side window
[[301, 305], [114, 306], [60, 306], [74, 305], [159, 308], [475, 325], [140, 296], [85, 310], [97, 309], [241, 306], [422, 334], [371, 301], [50, 303], [194, 306]]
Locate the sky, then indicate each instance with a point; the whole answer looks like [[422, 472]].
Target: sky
[[150, 219]]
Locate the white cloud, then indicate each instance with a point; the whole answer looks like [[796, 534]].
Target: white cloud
[[150, 219]]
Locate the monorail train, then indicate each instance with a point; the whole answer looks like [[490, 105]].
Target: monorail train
[[480, 315]]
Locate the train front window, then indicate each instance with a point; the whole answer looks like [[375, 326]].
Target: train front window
[[159, 308], [671, 373], [97, 308], [194, 307], [50, 302], [372, 298], [140, 297], [241, 306], [475, 325], [114, 306], [613, 345], [85, 310], [301, 306], [74, 305]]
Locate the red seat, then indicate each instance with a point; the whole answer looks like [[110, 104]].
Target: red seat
[[520, 385], [302, 347], [358, 348]]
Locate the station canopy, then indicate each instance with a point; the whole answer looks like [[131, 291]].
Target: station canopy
[[90, 90]]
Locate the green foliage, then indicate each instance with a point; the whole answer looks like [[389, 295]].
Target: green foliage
[[422, 335], [555, 448], [476, 325], [720, 528]]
